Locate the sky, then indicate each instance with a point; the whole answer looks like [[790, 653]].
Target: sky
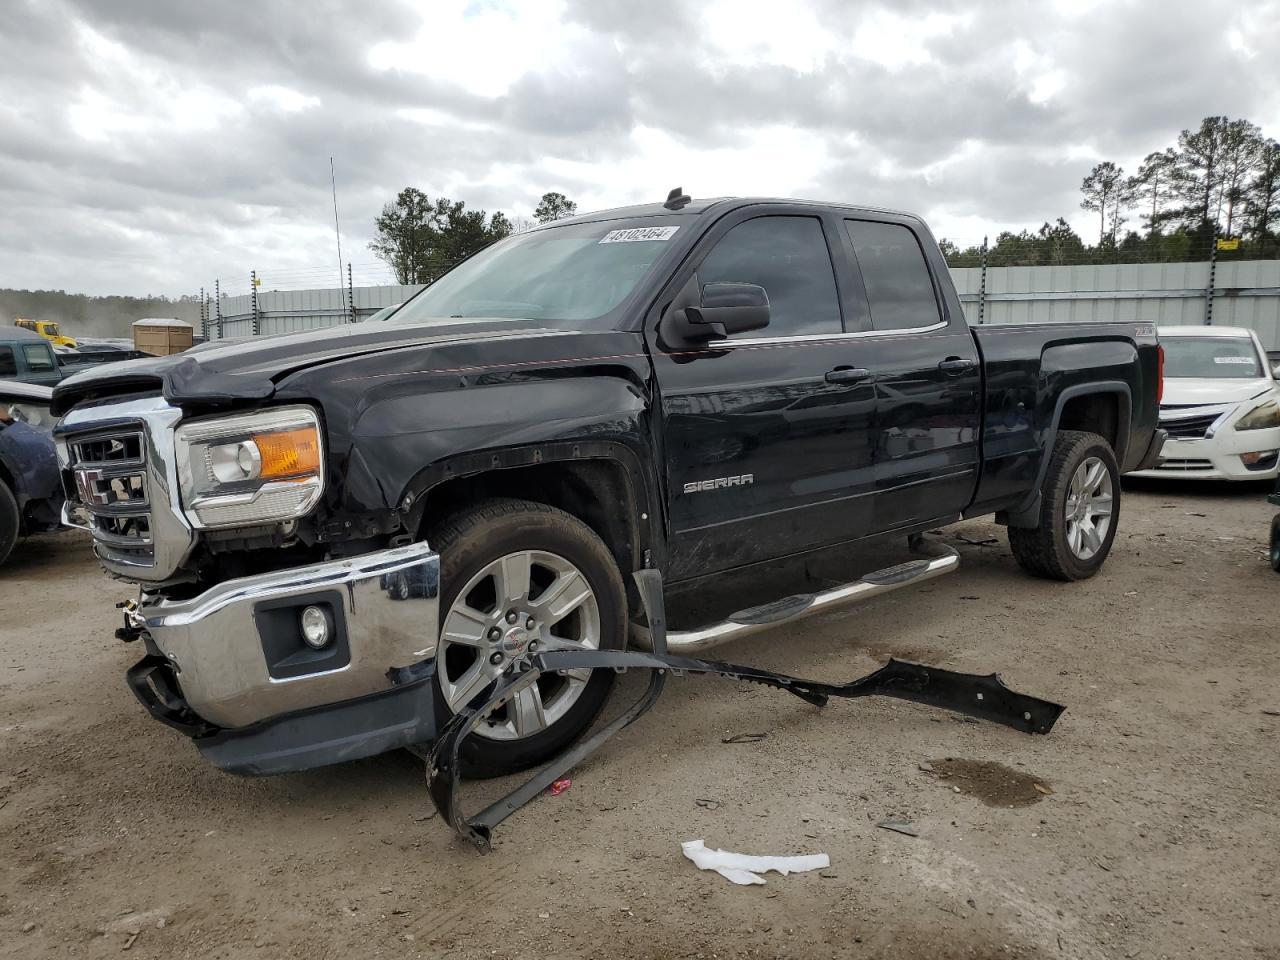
[[151, 146]]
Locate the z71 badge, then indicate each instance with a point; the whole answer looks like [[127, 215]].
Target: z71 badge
[[719, 483]]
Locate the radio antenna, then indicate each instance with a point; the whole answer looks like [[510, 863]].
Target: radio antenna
[[336, 232]]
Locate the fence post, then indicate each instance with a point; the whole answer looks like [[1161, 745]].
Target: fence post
[[204, 320], [982, 285], [217, 305], [1213, 270], [351, 297], [253, 299]]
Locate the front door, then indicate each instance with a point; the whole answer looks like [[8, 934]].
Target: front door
[[767, 434]]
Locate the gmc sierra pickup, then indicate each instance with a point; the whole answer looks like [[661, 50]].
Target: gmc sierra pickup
[[343, 537]]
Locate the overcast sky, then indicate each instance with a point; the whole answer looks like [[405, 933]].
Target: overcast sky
[[153, 145]]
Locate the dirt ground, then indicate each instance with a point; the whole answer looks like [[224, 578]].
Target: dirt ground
[[1145, 825]]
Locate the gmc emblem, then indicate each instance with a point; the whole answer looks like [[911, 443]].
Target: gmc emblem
[[87, 487]]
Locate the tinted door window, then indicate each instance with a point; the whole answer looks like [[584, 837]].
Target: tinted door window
[[38, 356], [8, 365], [899, 290], [788, 257]]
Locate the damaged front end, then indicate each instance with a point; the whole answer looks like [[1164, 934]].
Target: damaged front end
[[984, 697], [295, 668]]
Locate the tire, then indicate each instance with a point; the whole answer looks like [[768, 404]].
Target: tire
[[1072, 547], [557, 545], [1275, 543], [9, 522], [399, 587]]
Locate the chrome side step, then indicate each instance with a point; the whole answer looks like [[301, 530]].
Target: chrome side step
[[754, 619]]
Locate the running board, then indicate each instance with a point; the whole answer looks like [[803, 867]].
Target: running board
[[767, 615]]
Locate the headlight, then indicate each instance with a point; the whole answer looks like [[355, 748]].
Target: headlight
[[262, 467], [29, 413], [1262, 416]]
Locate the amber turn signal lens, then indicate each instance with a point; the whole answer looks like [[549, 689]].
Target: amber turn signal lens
[[290, 453]]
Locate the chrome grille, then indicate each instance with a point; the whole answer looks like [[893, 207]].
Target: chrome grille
[[109, 472], [125, 448], [1189, 428], [120, 478]]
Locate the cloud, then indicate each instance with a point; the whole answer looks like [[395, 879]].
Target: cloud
[[151, 146]]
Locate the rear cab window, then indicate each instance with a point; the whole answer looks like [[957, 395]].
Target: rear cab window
[[38, 357], [900, 290], [8, 362]]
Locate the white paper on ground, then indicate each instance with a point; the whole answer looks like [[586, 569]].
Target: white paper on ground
[[741, 868]]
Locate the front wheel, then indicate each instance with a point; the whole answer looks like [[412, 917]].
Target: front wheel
[[1079, 510], [516, 577]]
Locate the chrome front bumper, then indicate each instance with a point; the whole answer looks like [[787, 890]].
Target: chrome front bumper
[[225, 646]]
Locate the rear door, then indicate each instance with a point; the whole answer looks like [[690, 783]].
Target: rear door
[[928, 378], [766, 433]]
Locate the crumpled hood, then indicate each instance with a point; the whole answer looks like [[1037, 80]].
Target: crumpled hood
[[1196, 391], [248, 368]]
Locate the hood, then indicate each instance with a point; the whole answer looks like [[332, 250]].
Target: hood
[[220, 372], [1197, 392]]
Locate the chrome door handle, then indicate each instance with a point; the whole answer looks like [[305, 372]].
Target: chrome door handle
[[954, 366], [847, 375]]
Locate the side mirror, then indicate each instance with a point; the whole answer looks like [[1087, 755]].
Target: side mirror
[[723, 309]]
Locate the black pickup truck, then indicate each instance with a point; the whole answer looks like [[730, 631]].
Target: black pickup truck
[[342, 537]]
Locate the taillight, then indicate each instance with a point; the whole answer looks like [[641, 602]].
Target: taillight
[[1160, 374]]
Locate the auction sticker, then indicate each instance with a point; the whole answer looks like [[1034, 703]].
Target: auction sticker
[[636, 234], [1248, 360]]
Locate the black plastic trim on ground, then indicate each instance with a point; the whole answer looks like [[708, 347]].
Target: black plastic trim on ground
[[985, 697]]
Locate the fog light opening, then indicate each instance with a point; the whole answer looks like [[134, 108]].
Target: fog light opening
[[317, 627], [1258, 458]]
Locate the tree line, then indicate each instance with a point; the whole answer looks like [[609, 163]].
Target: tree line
[[1220, 182], [421, 238]]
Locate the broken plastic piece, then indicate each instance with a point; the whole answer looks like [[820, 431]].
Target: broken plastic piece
[[559, 787], [978, 696], [743, 869]]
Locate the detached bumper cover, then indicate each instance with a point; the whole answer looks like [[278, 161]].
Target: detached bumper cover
[[231, 658], [979, 696]]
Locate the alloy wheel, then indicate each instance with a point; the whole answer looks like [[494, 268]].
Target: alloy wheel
[[1090, 501], [520, 603]]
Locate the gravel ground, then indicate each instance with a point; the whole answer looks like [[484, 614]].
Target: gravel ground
[[1144, 826]]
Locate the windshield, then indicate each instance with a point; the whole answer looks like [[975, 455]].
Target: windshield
[[561, 276], [50, 328], [1211, 358]]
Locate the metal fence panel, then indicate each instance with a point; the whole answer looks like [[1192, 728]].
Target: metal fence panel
[[1246, 294]]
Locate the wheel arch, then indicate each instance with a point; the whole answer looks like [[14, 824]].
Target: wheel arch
[[602, 483], [1075, 409]]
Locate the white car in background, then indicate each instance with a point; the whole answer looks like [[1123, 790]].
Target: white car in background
[[1221, 406]]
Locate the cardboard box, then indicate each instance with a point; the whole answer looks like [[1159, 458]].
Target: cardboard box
[[161, 336]]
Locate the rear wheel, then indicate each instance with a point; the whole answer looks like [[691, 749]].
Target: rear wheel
[[516, 577], [1079, 510], [9, 522]]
